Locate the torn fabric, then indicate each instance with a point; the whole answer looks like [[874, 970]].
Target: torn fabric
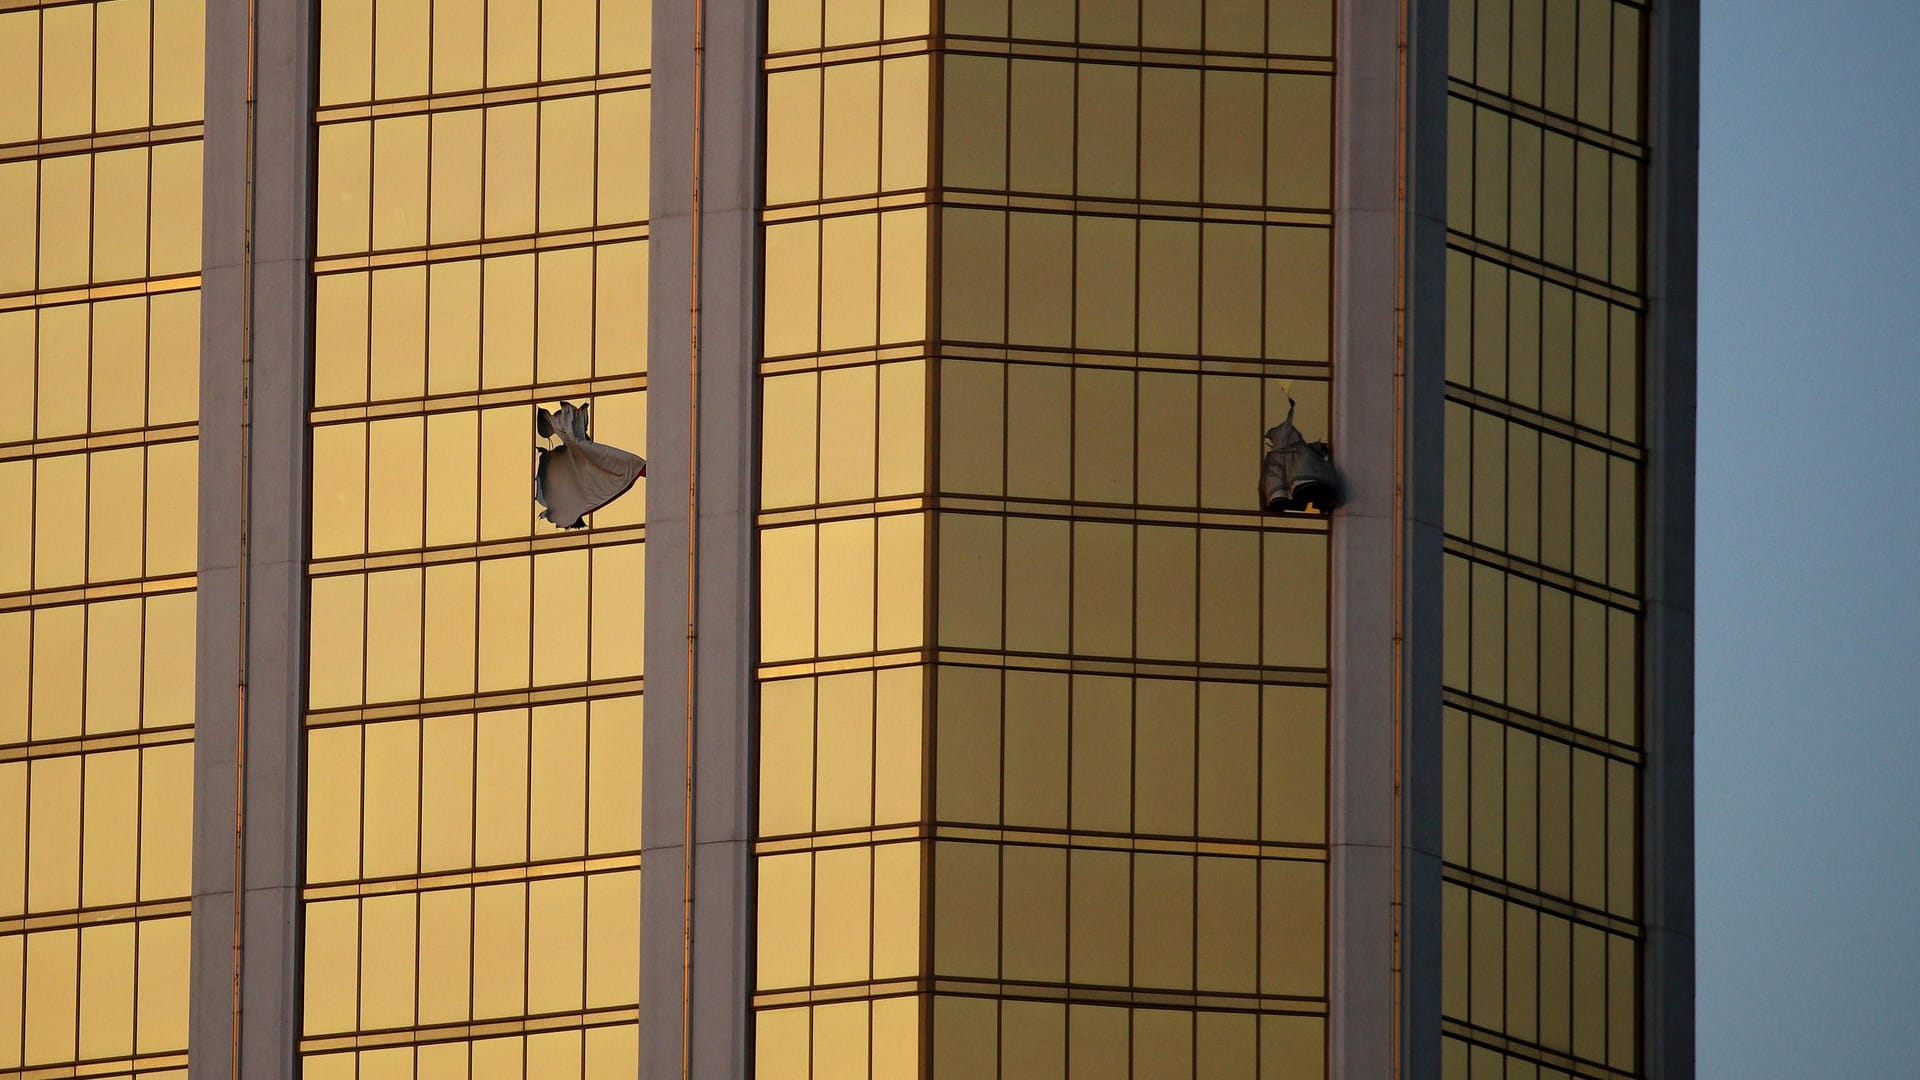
[[579, 476], [1298, 475]]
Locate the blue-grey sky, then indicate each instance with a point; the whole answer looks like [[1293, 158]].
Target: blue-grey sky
[[1809, 540]]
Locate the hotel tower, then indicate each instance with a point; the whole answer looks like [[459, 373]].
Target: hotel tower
[[944, 703]]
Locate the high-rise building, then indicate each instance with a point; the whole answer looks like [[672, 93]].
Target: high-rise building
[[945, 703]]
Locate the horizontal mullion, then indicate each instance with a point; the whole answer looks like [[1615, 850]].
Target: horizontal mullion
[[1150, 210], [80, 294], [1542, 574], [94, 142], [468, 400], [1468, 244], [1065, 993], [33, 750], [1545, 902], [1120, 55], [860, 52], [1086, 839], [570, 693], [1134, 514], [874, 202], [82, 917], [1581, 1068], [1534, 723], [1048, 662], [485, 551], [447, 101], [1552, 121], [590, 866], [459, 250], [1580, 435], [483, 1029], [59, 446], [67, 595]]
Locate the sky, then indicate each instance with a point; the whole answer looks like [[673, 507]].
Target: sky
[[1808, 738]]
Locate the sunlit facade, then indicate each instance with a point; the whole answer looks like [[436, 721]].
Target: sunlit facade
[[474, 679], [972, 716], [1042, 708], [100, 145]]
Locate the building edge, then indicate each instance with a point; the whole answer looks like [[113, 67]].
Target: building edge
[[1423, 469], [1667, 974]]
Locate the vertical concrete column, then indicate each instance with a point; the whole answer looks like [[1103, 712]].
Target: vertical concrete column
[[1384, 854], [1362, 933], [244, 1010], [1423, 472], [1667, 644], [696, 944]]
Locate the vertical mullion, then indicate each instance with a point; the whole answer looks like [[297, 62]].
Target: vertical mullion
[[934, 332], [1133, 538], [146, 487], [1005, 347], [538, 378], [139, 856], [819, 394], [1196, 532], [527, 877], [873, 691], [530, 522], [591, 298], [1073, 431], [873, 688], [1607, 824], [1072, 498], [426, 482], [1003, 522], [1260, 578], [481, 612], [146, 420], [26, 939], [84, 761]]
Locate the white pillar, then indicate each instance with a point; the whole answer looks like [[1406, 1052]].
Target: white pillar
[[252, 556], [1384, 846], [701, 537]]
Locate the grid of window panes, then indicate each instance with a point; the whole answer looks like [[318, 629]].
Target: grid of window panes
[[1544, 458], [475, 683], [844, 528], [1045, 690], [100, 135]]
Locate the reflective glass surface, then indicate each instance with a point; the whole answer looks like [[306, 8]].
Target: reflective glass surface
[[1042, 707], [844, 537], [1542, 734], [475, 674], [100, 135]]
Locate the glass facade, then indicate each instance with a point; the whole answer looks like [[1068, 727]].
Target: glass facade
[[843, 540], [1545, 454], [100, 135], [1042, 693], [475, 688]]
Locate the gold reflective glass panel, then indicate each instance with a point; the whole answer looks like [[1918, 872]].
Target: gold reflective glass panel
[[474, 697], [1543, 599], [100, 109], [1005, 433]]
